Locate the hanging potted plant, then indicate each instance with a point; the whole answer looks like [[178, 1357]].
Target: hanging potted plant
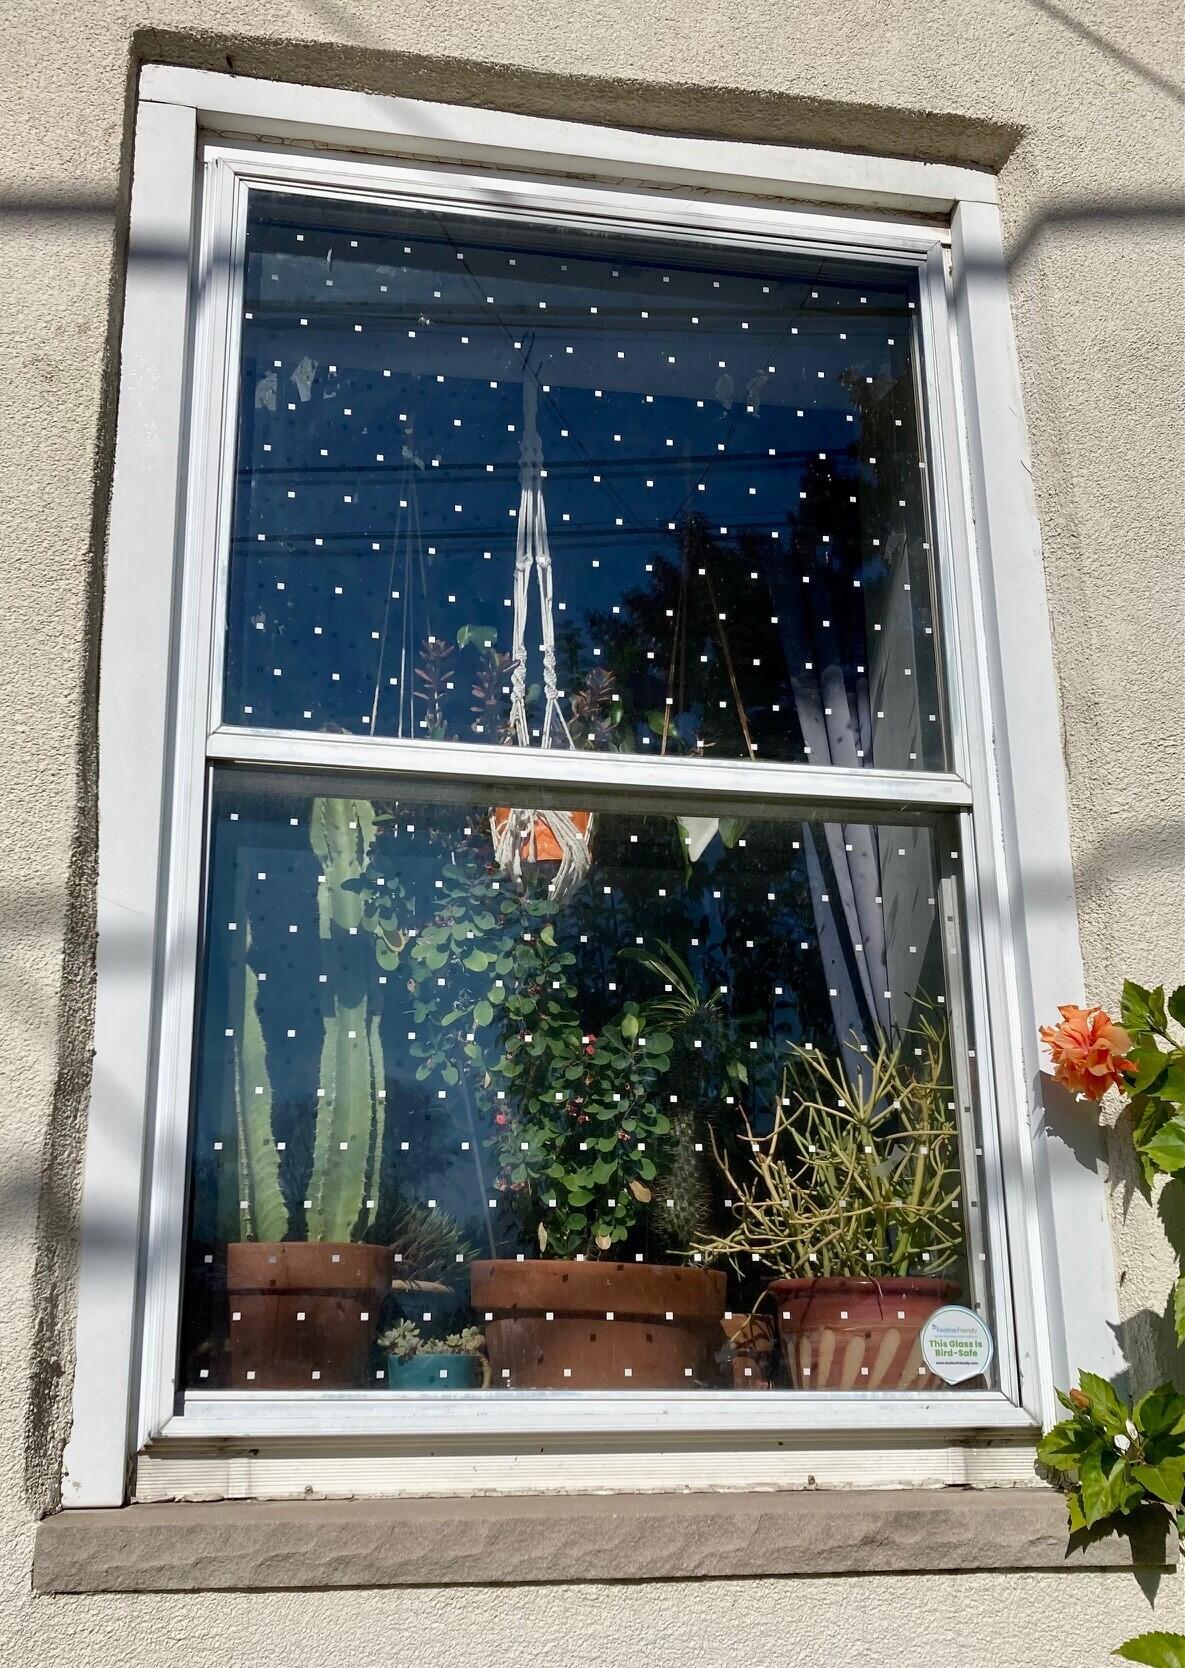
[[530, 835], [305, 1282], [852, 1201]]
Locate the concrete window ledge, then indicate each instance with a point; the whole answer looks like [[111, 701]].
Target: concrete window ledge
[[487, 1540]]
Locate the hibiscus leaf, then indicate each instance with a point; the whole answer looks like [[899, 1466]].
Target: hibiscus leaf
[[1105, 1404], [1156, 1650], [1095, 1482], [1150, 1066], [1159, 1412], [1173, 1086], [1135, 1006], [1166, 1480], [1166, 1150], [1176, 1005]]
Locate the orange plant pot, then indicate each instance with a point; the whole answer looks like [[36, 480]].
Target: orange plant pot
[[303, 1316], [545, 846], [564, 1325], [840, 1334]]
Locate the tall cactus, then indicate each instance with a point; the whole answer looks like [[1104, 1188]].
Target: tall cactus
[[266, 1215], [348, 1143], [682, 1207]]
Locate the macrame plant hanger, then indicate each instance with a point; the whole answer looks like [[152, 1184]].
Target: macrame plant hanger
[[523, 835]]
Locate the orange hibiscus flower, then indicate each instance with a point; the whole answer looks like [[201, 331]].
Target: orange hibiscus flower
[[1089, 1051]]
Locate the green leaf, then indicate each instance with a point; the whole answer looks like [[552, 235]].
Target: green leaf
[[1063, 1446], [1166, 1480], [1140, 1009], [1150, 1064], [1104, 1403], [731, 829], [1166, 1150], [630, 1026], [1160, 1411], [486, 636], [659, 1042], [476, 961], [1156, 1650], [1173, 1087], [1094, 1478], [496, 994], [1176, 1005], [1179, 1309], [483, 1013]]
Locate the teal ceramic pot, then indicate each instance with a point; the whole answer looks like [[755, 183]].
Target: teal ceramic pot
[[428, 1371]]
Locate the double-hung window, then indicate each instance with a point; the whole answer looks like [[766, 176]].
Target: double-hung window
[[582, 999]]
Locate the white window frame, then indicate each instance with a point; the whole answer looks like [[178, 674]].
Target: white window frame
[[1044, 1205]]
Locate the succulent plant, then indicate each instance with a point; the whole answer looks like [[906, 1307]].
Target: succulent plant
[[404, 1339], [428, 1244], [342, 1189]]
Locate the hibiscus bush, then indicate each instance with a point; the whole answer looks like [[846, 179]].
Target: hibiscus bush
[[1143, 1057], [1118, 1459]]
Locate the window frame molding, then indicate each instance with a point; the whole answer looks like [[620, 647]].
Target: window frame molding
[[159, 623]]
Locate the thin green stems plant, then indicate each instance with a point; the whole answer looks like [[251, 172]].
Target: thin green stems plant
[[858, 1176]]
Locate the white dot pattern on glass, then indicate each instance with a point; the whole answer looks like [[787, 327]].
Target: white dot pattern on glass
[[750, 889], [709, 426]]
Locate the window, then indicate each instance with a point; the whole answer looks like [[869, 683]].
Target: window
[[587, 992], [632, 1087]]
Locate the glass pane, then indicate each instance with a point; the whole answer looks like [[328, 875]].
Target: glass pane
[[703, 464], [698, 1117]]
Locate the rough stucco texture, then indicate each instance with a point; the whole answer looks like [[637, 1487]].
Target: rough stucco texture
[[1080, 103]]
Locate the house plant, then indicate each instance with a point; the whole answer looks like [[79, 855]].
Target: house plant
[[577, 1132], [852, 1202], [455, 1362], [305, 1281]]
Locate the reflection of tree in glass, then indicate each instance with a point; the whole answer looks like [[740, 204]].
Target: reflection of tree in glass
[[732, 621]]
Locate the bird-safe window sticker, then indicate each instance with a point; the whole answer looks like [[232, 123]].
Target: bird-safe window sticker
[[956, 1344]]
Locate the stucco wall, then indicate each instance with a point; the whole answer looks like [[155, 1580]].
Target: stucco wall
[[1081, 105]]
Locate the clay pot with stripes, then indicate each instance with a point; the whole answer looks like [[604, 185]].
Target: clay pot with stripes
[[847, 1334]]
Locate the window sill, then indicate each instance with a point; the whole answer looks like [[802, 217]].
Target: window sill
[[478, 1541]]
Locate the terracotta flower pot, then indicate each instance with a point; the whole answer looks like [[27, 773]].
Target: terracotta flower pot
[[749, 1350], [555, 1325], [840, 1334], [303, 1316], [541, 845]]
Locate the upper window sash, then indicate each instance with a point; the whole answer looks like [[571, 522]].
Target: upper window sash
[[232, 175]]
